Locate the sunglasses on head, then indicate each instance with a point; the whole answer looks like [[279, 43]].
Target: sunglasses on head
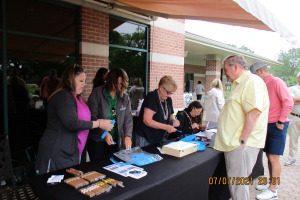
[[114, 113]]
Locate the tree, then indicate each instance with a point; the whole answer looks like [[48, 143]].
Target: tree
[[291, 66], [246, 49], [242, 48]]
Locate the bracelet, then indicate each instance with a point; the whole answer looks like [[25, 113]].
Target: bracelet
[[99, 124]]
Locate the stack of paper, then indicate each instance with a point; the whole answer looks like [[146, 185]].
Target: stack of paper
[[127, 170], [55, 179], [206, 132]]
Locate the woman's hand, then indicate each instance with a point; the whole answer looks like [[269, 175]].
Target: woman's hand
[[127, 142], [195, 126], [203, 127], [170, 129], [174, 121], [109, 140], [105, 124], [177, 123]]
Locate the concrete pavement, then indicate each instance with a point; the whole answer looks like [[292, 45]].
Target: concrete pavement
[[289, 188]]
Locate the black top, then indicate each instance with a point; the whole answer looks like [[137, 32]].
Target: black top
[[152, 102], [185, 121], [58, 147]]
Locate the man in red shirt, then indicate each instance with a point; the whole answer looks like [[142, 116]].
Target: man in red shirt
[[48, 86], [278, 122]]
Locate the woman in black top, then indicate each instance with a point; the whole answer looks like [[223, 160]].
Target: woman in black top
[[155, 118], [68, 116], [190, 119], [100, 77]]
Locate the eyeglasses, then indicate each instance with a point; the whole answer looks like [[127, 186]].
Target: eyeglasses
[[197, 111], [114, 113], [167, 91]]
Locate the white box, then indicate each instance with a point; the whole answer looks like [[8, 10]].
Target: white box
[[179, 149]]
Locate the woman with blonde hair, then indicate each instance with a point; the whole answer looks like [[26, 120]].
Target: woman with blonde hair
[[215, 101], [69, 121], [111, 102], [156, 115]]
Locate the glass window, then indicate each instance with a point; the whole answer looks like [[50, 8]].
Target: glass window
[[38, 17], [1, 87], [127, 34], [0, 15], [41, 49], [133, 62], [41, 38], [128, 50]]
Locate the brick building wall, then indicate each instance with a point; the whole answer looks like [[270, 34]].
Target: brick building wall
[[94, 41], [167, 56], [213, 71]]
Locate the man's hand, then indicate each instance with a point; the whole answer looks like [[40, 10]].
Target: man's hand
[[280, 126]]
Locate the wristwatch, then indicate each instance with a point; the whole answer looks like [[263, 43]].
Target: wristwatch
[[279, 122], [242, 142]]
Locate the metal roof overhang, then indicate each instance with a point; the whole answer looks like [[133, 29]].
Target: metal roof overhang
[[199, 47]]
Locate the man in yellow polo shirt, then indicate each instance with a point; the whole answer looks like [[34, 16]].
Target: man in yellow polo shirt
[[242, 124]]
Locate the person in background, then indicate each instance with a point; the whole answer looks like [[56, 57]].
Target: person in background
[[215, 101], [242, 124], [278, 122], [189, 86], [191, 118], [48, 86], [18, 108], [69, 121], [100, 77], [294, 128], [15, 79], [111, 102], [136, 93], [156, 115], [199, 90]]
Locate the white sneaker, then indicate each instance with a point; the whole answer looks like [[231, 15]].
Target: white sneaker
[[262, 187], [267, 194], [290, 162]]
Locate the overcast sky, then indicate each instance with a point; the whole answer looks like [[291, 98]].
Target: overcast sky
[[264, 43]]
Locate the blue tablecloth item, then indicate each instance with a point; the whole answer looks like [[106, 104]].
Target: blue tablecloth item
[[188, 138], [200, 145]]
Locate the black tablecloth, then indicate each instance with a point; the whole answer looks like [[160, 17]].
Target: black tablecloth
[[170, 178]]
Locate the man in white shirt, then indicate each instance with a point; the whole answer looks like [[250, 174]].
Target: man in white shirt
[[294, 128], [199, 89]]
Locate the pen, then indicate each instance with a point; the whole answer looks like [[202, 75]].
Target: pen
[[175, 121], [207, 126]]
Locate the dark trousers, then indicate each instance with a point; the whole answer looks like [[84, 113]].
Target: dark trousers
[[99, 150], [199, 96], [45, 103]]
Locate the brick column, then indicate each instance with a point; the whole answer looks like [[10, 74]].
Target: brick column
[[94, 43], [213, 70], [167, 55]]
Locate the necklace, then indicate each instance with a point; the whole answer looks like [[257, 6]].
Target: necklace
[[166, 108], [188, 117]]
